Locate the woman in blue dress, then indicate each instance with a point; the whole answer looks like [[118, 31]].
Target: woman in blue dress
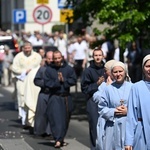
[[97, 97], [113, 108], [138, 118]]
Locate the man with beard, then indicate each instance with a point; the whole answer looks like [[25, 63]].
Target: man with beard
[[41, 126], [23, 63], [92, 77], [59, 77]]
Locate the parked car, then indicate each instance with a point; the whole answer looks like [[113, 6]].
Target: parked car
[[46, 47], [11, 42]]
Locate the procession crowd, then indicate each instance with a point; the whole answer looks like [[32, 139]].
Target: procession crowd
[[116, 91]]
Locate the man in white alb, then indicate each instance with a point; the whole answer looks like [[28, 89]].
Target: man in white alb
[[23, 63]]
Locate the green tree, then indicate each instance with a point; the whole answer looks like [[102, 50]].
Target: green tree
[[128, 20]]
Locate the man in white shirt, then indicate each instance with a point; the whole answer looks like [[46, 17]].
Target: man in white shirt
[[61, 44], [37, 41], [79, 50], [8, 58]]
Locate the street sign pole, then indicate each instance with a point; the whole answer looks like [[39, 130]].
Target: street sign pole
[[42, 29], [67, 31], [43, 34], [20, 30]]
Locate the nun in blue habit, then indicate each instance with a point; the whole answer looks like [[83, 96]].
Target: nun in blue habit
[[138, 118], [113, 108], [97, 97]]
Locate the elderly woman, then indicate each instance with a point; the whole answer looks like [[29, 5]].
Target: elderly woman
[[113, 108], [138, 118], [108, 80]]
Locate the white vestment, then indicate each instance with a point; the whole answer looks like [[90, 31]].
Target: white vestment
[[31, 92], [21, 64]]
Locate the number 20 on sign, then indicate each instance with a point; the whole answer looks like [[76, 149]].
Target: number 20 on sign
[[42, 14]]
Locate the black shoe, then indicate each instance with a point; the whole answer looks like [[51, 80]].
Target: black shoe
[[64, 143], [47, 136], [44, 135], [25, 127], [31, 130]]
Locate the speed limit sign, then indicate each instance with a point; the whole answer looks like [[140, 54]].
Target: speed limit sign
[[42, 14]]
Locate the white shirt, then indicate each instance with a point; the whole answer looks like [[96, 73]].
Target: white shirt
[[37, 42], [51, 41], [71, 48], [61, 44], [117, 54], [31, 38], [80, 51], [104, 49]]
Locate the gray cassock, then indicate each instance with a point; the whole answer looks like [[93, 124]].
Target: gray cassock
[[41, 125]]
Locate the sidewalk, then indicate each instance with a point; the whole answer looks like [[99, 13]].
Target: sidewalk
[[14, 138]]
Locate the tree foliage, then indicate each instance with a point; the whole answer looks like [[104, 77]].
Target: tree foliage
[[128, 20]]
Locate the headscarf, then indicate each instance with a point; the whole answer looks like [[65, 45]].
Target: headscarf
[[122, 65], [109, 63], [145, 59]]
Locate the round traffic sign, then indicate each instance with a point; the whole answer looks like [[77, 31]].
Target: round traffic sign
[[42, 14]]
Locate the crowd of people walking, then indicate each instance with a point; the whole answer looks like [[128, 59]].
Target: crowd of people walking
[[116, 93]]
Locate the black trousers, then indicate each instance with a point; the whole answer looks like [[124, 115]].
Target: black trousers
[[78, 68], [92, 112]]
